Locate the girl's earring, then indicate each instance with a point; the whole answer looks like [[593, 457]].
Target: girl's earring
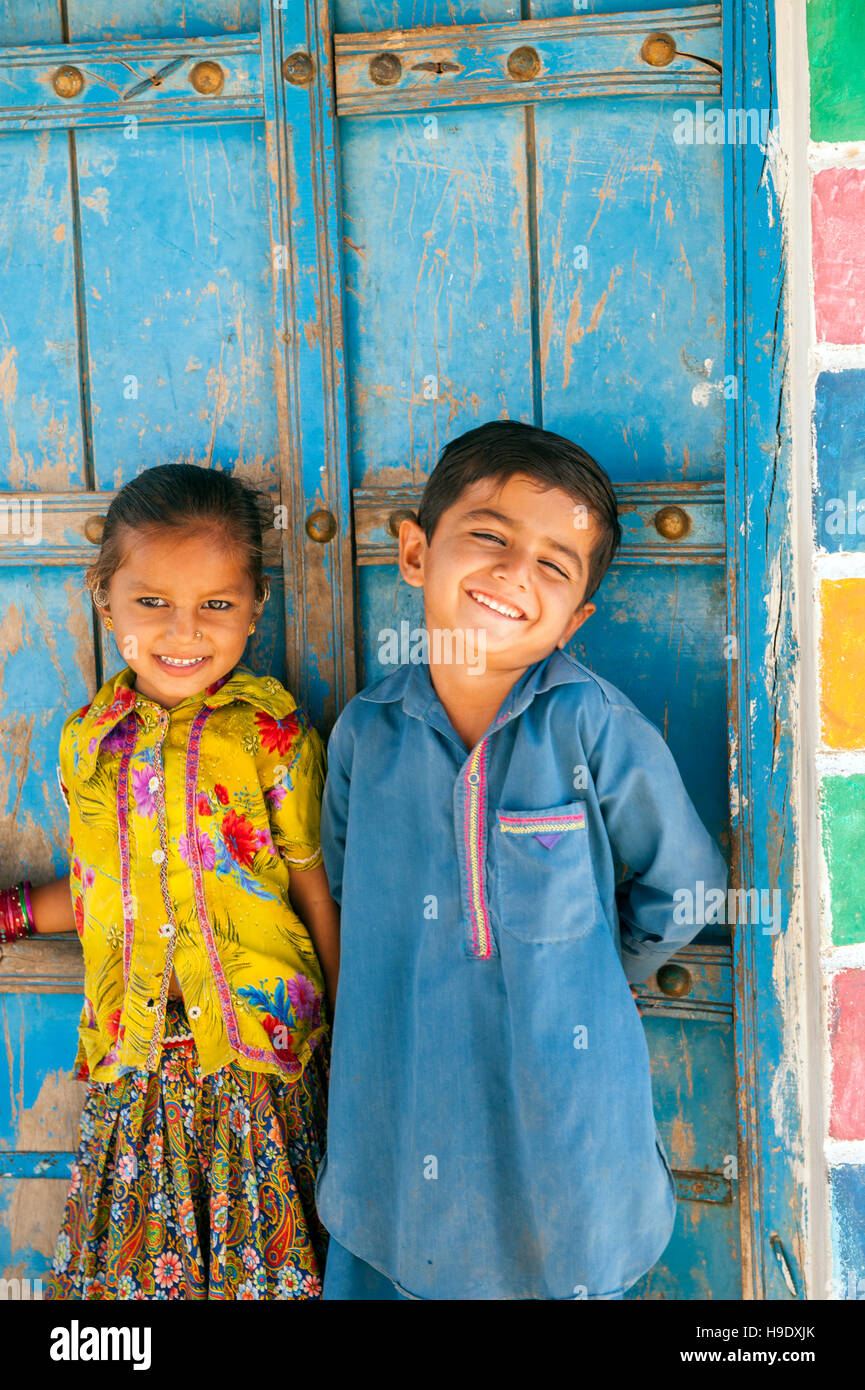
[[109, 626], [251, 629]]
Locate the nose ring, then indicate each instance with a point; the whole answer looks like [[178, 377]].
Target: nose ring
[[196, 634]]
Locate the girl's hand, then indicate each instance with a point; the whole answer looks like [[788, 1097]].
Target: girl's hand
[[52, 908]]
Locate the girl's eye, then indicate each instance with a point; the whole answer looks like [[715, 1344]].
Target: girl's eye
[[487, 536], [223, 604], [150, 602]]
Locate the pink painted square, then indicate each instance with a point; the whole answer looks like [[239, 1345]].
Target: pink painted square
[[838, 250], [847, 1033]]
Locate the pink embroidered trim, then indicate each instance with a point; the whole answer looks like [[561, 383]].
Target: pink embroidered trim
[[257, 1054], [123, 844], [476, 848], [193, 753], [159, 770], [524, 825]]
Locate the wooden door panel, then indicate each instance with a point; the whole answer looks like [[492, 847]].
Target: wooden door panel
[[437, 281], [159, 19], [698, 1126], [658, 635], [39, 366], [630, 247], [176, 264]]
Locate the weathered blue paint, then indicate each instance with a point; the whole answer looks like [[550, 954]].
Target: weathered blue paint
[[118, 83], [839, 518]]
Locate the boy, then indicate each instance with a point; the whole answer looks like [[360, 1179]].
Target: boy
[[506, 843]]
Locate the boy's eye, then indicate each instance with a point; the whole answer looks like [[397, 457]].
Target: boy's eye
[[487, 536], [556, 568]]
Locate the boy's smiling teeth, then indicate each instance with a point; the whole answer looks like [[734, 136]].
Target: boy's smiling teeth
[[506, 609]]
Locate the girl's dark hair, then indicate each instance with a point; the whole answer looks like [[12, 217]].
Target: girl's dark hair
[[504, 448], [185, 497]]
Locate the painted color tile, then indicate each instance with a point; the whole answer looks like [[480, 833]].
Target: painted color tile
[[842, 806], [842, 663], [847, 1187], [847, 1046], [836, 53], [837, 218], [839, 502]]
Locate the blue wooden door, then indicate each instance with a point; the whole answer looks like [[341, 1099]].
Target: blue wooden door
[[525, 235], [311, 243]]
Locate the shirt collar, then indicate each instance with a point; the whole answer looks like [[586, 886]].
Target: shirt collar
[[412, 686], [117, 698]]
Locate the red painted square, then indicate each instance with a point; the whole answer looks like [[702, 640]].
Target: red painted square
[[847, 1033], [838, 250]]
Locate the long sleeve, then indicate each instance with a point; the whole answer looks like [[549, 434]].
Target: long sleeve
[[672, 864], [334, 812]]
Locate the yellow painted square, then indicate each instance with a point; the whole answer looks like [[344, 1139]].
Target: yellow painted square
[[842, 663]]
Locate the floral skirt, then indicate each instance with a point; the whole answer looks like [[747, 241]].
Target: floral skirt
[[196, 1187]]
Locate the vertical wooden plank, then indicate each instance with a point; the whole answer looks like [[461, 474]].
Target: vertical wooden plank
[[761, 673], [176, 265], [630, 245], [308, 356], [437, 283], [40, 398]]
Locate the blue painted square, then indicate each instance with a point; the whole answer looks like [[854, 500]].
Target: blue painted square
[[839, 502], [847, 1185]]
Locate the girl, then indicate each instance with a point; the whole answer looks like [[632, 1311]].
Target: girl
[[208, 931]]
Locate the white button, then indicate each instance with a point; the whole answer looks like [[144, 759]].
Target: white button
[[166, 929], [153, 784], [194, 1012], [158, 855]]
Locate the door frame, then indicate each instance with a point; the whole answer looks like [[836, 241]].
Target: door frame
[[761, 671]]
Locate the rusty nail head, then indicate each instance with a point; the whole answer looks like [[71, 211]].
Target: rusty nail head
[[674, 981], [672, 523], [68, 81], [321, 526], [396, 519], [298, 69], [385, 69], [207, 78], [658, 50], [524, 64], [93, 528]]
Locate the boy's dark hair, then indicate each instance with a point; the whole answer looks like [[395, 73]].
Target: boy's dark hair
[[184, 496], [503, 448]]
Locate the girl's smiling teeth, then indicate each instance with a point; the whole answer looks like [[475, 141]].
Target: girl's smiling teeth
[[507, 610], [182, 663]]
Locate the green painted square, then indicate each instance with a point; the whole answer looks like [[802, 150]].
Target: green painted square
[[836, 55], [843, 814]]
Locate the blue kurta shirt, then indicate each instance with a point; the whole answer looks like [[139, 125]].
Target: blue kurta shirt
[[491, 1131]]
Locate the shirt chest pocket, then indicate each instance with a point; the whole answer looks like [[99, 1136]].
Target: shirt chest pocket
[[544, 878]]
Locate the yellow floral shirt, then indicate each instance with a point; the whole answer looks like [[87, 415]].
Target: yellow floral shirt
[[183, 823]]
